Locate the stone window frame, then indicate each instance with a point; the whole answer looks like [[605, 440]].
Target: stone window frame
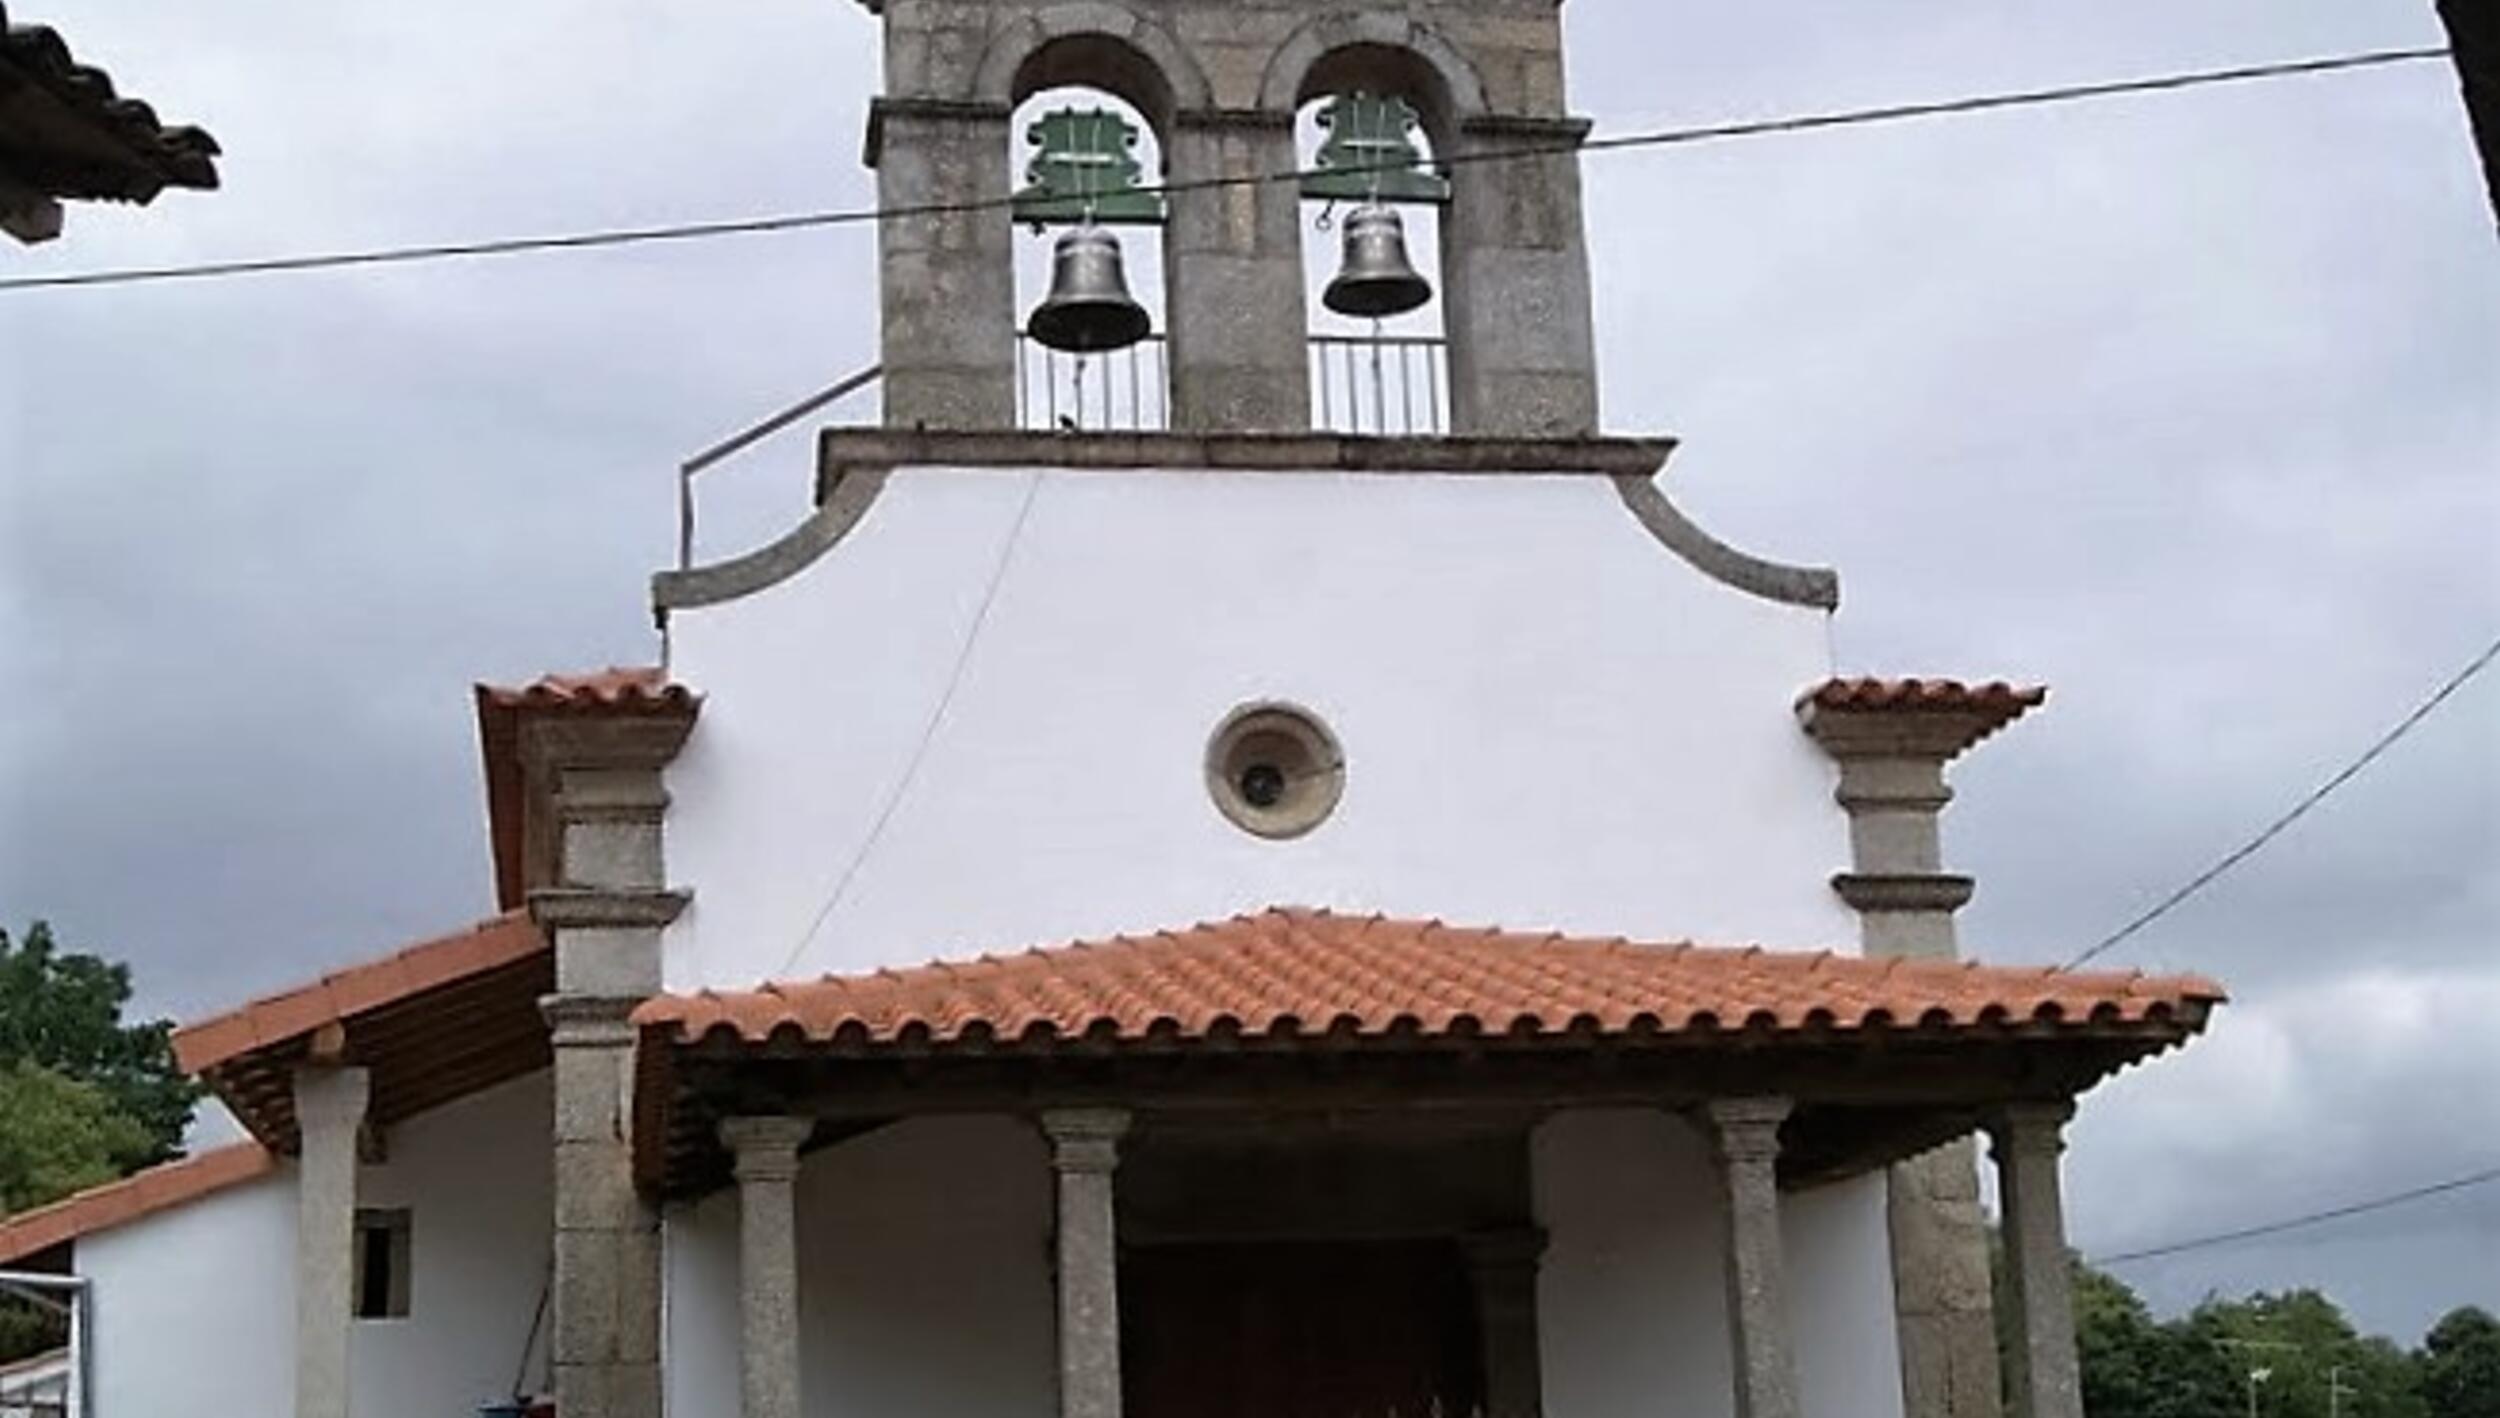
[[396, 1226], [1315, 786]]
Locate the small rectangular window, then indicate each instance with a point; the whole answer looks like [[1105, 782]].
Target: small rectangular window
[[381, 1263]]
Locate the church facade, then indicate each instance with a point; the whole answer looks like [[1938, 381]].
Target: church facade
[[1231, 913]]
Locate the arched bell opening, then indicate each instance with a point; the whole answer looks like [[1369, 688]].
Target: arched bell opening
[[1089, 250], [1371, 220]]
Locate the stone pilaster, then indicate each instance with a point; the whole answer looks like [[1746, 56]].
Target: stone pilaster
[[1503, 1267], [1084, 1151], [947, 278], [1892, 785], [1941, 1287], [766, 1164], [2047, 1379], [1744, 1134], [329, 1111], [1233, 278], [604, 911], [1523, 359]]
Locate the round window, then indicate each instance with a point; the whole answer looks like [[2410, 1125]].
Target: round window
[[1274, 770]]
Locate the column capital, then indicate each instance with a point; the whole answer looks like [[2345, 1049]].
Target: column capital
[[331, 1096], [588, 1021], [766, 1148], [1085, 1139], [1746, 1129], [2034, 1128]]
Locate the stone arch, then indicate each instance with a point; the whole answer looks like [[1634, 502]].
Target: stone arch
[[1381, 50], [1098, 44]]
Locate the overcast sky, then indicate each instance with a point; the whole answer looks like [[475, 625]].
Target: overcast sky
[[2189, 406]]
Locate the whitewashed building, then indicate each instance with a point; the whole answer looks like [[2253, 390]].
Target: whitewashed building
[[1267, 908]]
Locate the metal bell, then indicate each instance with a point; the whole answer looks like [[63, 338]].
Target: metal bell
[[1375, 278], [1089, 309]]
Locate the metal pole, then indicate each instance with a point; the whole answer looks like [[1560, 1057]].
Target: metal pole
[[31, 1285]]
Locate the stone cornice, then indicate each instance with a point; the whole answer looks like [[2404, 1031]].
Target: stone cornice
[[582, 741], [570, 907], [908, 108], [1905, 891], [1233, 118], [1557, 130]]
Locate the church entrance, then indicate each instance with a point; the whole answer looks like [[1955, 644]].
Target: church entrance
[[1321, 1329]]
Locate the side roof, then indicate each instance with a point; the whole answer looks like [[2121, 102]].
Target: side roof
[[159, 1188], [434, 1022]]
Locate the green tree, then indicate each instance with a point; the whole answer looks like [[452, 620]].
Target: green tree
[[63, 1012], [2459, 1365], [58, 1135]]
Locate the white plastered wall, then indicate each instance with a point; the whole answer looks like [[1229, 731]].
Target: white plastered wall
[[1549, 720], [195, 1306], [1632, 1308], [924, 1282]]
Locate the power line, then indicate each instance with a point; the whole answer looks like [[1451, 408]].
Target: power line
[[2299, 810], [929, 731], [2295, 1223], [1661, 138]]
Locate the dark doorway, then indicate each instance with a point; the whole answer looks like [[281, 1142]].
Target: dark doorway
[[1357, 1329]]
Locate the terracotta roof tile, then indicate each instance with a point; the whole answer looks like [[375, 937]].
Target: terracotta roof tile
[[617, 687], [1911, 695], [432, 1023], [145, 1193], [358, 989], [631, 691], [1284, 972], [1946, 716], [142, 154]]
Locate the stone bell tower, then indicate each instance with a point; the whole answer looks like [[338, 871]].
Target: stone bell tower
[[1220, 83]]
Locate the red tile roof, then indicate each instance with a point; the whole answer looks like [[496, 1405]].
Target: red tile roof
[[1286, 972], [89, 140], [616, 687], [145, 1193], [1977, 710], [629, 691], [433, 1023], [358, 989], [1869, 692]]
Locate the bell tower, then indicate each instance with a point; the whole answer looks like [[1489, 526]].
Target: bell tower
[[1221, 85]]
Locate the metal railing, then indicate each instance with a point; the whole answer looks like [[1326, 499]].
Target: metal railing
[[1380, 384], [1118, 389], [747, 438]]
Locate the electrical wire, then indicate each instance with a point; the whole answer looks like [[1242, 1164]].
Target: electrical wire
[[929, 731], [2296, 1223], [2299, 810], [1661, 138]]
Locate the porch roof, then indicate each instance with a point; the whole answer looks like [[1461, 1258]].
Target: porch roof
[[434, 1022], [1286, 972], [1265, 1010]]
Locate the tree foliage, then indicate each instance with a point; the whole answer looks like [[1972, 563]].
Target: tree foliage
[[2198, 1366], [2460, 1364], [62, 1013]]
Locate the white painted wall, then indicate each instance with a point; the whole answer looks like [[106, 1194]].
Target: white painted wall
[[1632, 1320], [1839, 1254], [1550, 720], [478, 1179], [924, 1285], [1633, 1311], [195, 1306]]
